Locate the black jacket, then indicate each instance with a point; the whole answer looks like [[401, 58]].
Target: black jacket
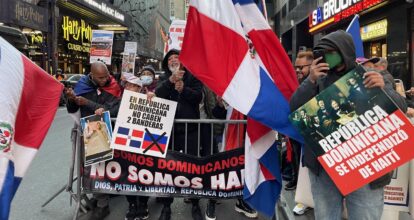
[[187, 102], [103, 100], [342, 42]]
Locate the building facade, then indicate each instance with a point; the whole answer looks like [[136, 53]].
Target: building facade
[[386, 28]]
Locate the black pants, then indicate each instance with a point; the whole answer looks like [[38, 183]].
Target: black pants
[[296, 148], [141, 199], [207, 141]]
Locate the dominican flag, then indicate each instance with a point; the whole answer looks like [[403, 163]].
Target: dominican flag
[[233, 133], [129, 137], [29, 99], [230, 47], [149, 143]]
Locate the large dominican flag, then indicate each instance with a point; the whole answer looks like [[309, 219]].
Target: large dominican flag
[[29, 99], [230, 47]]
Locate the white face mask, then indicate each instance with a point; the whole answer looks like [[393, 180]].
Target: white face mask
[[146, 80]]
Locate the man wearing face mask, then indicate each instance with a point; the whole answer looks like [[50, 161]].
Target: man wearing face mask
[[368, 201], [179, 85], [93, 94]]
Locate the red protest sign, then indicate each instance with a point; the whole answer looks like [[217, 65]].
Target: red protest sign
[[357, 134]]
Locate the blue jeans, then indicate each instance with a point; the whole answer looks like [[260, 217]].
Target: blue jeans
[[362, 204]]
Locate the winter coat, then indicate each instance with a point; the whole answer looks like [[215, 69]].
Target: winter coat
[[343, 43]]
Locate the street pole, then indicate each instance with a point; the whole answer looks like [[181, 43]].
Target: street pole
[[52, 38]]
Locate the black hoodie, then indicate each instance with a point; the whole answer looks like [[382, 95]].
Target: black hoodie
[[189, 99], [343, 43]]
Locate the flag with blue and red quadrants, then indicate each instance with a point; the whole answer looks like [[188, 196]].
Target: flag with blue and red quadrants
[[162, 142], [129, 137]]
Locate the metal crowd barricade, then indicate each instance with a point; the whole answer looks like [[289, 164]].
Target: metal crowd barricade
[[82, 201]]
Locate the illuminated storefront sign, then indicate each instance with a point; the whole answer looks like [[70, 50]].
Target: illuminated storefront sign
[[77, 33], [334, 11], [374, 30], [103, 7], [76, 30], [80, 48]]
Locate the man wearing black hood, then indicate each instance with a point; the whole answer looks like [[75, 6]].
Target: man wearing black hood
[[366, 202], [179, 85]]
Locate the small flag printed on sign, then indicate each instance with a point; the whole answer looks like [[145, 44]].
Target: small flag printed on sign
[[129, 137], [151, 143]]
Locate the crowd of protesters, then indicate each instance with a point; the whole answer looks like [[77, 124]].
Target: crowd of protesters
[[101, 92]]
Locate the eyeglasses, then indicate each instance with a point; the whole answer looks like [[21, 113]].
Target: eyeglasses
[[301, 67]]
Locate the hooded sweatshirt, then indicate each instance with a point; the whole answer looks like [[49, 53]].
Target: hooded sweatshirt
[[341, 42]]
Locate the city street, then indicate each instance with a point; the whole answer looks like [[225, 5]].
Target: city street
[[49, 172]]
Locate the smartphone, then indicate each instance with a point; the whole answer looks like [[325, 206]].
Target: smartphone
[[319, 53]]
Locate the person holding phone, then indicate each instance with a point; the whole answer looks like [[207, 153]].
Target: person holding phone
[[335, 56]]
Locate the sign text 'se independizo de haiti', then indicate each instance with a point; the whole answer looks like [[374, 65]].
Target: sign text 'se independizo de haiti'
[[357, 134], [143, 126]]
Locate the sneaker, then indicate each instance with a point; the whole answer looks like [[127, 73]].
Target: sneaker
[[290, 185], [211, 211], [165, 213], [242, 207], [100, 213], [132, 212], [196, 212], [142, 212], [300, 209]]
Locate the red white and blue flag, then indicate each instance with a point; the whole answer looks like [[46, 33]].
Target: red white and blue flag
[[230, 47], [155, 142], [29, 99], [129, 137]]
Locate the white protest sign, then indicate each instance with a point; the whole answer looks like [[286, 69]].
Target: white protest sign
[[176, 34], [101, 46], [142, 126], [396, 193], [128, 59]]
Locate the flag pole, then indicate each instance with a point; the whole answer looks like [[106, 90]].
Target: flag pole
[[350, 24]]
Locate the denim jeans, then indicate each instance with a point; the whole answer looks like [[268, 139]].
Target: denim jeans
[[362, 204]]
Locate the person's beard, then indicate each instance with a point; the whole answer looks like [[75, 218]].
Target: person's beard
[[173, 67]]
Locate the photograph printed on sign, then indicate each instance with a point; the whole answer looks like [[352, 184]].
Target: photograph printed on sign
[[357, 134], [101, 46], [143, 126], [97, 134]]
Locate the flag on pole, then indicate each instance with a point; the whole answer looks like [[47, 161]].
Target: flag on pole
[[233, 134], [355, 31], [29, 99], [230, 47]]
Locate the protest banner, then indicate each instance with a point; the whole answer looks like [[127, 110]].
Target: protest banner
[[128, 58], [218, 176], [101, 46], [176, 34], [143, 126], [97, 133], [396, 193], [357, 134]]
